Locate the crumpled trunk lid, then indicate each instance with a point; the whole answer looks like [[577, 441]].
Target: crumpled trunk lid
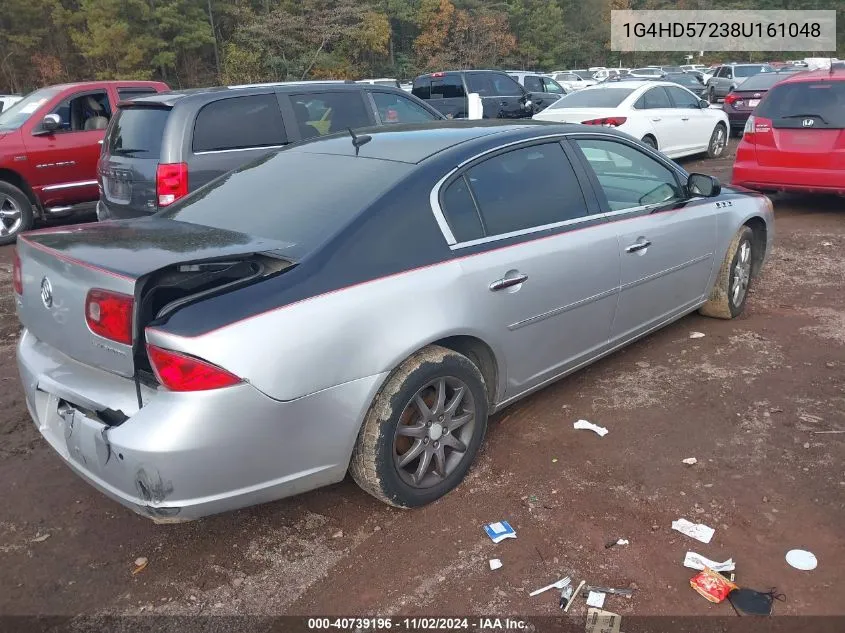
[[59, 267]]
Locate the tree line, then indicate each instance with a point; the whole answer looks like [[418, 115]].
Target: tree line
[[189, 43]]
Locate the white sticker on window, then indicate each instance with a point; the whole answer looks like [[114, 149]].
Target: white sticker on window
[[29, 108]]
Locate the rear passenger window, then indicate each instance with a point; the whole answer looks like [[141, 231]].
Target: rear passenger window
[[239, 123], [448, 87], [461, 212], [533, 84], [653, 99], [394, 108], [318, 114], [524, 189]]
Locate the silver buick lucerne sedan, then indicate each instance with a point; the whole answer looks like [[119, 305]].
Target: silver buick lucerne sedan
[[362, 303]]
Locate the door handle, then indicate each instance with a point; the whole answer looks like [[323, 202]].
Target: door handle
[[684, 118], [507, 282], [657, 119], [638, 246]]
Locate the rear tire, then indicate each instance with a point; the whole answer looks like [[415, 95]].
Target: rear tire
[[650, 141], [16, 213], [396, 429], [718, 142], [728, 297]]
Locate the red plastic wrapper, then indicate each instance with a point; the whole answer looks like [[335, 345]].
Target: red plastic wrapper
[[712, 585]]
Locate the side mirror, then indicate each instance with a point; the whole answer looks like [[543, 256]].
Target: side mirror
[[703, 185], [703, 104], [49, 124]]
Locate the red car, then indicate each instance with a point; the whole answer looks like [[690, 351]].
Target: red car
[[795, 139], [49, 148]]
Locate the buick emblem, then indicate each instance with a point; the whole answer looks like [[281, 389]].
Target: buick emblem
[[808, 122], [46, 293]]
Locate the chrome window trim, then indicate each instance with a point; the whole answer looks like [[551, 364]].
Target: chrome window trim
[[237, 149], [69, 185], [442, 222]]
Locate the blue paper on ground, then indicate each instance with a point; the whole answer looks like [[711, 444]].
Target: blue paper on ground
[[499, 531]]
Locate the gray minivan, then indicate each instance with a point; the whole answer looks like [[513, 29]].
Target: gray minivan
[[161, 147]]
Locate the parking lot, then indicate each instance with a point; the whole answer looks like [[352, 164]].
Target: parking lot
[[746, 400]]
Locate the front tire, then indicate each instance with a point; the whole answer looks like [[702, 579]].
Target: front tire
[[718, 142], [16, 213], [728, 297], [423, 429]]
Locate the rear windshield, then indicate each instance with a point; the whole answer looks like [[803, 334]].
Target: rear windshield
[[137, 132], [749, 71], [584, 74], [593, 98], [684, 80], [290, 196], [763, 81], [18, 113], [824, 100]]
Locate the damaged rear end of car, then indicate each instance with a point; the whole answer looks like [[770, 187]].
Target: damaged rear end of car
[[103, 397]]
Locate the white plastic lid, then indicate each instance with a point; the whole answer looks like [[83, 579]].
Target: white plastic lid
[[801, 559]]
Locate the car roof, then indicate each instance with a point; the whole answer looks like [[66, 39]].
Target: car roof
[[414, 143], [211, 94], [111, 82], [823, 74]]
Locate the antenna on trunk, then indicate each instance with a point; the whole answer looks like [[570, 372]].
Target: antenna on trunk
[[358, 141]]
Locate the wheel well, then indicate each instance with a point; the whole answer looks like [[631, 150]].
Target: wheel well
[[652, 137], [14, 178], [759, 239], [479, 353]]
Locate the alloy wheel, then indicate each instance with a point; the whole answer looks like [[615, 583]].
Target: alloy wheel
[[717, 145], [741, 273], [11, 215], [434, 431]]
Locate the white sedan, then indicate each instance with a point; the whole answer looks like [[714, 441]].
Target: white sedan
[[662, 114]]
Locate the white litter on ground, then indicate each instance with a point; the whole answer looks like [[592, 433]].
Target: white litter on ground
[[697, 335], [495, 564], [689, 461], [596, 599], [698, 531], [801, 559], [623, 541], [699, 562], [583, 425]]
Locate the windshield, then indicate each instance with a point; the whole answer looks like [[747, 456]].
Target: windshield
[[684, 79], [593, 98], [18, 114], [822, 99], [762, 81], [584, 74], [290, 196], [137, 132], [749, 71]]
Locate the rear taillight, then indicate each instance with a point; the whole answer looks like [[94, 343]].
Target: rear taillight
[[109, 314], [755, 125], [732, 99], [611, 121], [180, 372], [17, 277], [171, 182]]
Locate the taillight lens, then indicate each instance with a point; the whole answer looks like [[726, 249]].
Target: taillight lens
[[109, 314], [733, 99], [180, 372], [17, 276], [748, 130], [171, 182], [611, 121]]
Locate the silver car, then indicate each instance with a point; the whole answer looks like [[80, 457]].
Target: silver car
[[362, 302]]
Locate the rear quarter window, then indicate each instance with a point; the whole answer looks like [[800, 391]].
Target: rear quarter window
[[239, 123], [138, 131]]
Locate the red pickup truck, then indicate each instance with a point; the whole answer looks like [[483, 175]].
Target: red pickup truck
[[49, 147]]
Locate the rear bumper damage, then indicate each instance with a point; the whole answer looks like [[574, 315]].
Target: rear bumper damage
[[183, 456]]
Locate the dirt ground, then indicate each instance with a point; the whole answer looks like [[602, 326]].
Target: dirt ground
[[747, 400]]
